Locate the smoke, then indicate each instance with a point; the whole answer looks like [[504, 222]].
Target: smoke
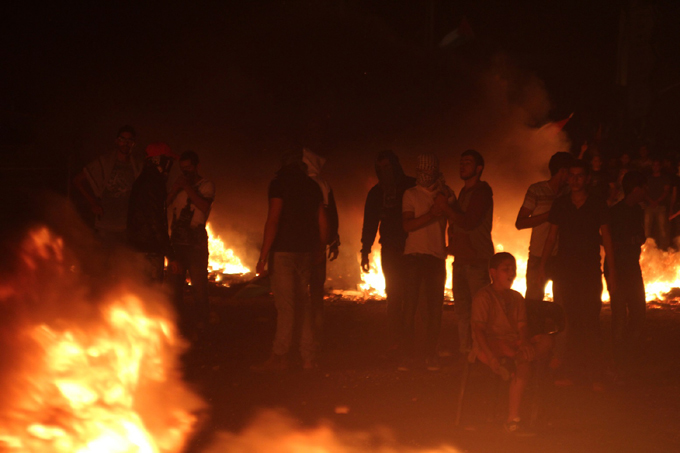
[[276, 431]]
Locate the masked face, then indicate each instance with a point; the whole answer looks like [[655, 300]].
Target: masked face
[[427, 178]]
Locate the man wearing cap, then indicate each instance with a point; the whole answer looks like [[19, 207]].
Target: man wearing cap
[[425, 258], [147, 219], [106, 183], [190, 200]]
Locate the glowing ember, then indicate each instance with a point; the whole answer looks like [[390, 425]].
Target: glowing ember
[[101, 382], [222, 260]]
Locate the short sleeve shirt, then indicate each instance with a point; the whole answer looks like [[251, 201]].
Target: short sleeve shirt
[[500, 313], [579, 231], [206, 189], [431, 238], [298, 228], [539, 199]]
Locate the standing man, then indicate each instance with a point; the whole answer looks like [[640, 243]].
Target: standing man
[[314, 165], [470, 240], [383, 210], [578, 224], [628, 300], [657, 225], [106, 184], [295, 234], [190, 200], [425, 258], [534, 214], [147, 220]]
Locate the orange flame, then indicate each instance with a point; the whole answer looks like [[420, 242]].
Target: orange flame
[[222, 260], [104, 384]]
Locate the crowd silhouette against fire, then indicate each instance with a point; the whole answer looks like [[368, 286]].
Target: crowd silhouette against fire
[[591, 202]]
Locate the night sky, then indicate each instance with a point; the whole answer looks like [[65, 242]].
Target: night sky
[[242, 82]]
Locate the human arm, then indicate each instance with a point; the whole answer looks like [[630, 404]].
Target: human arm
[[674, 199], [608, 245], [548, 248], [201, 202], [479, 338], [526, 220], [270, 229], [370, 226], [324, 231], [83, 186], [333, 226], [481, 201], [413, 223]]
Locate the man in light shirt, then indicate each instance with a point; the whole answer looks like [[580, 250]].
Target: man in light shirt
[[425, 258]]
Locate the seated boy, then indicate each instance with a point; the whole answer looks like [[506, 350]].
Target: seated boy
[[499, 332]]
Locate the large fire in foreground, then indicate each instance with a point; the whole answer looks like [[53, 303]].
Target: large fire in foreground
[[87, 376]]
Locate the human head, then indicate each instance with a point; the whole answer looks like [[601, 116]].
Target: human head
[[625, 159], [579, 175], [503, 269], [160, 156], [643, 151], [471, 164], [560, 161], [188, 163], [596, 163], [427, 170], [387, 167], [125, 140], [634, 184], [656, 165]]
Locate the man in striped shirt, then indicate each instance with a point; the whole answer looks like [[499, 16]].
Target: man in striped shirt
[[534, 214]]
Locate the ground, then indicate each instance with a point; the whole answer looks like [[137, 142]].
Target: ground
[[418, 407]]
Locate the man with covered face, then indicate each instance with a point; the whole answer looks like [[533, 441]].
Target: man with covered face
[[147, 219], [383, 211], [425, 258], [190, 200], [469, 239]]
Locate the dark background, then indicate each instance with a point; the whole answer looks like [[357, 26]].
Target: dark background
[[242, 82]]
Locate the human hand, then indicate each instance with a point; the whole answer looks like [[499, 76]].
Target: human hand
[[495, 365], [259, 269], [527, 351], [365, 266], [436, 210], [333, 253]]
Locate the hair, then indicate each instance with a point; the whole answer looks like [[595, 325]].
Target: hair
[[558, 161], [190, 156], [479, 160], [631, 180], [499, 257], [580, 163], [129, 129]]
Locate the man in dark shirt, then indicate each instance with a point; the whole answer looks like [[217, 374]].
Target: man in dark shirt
[[383, 210], [296, 234], [147, 218], [628, 234], [579, 222], [470, 223]]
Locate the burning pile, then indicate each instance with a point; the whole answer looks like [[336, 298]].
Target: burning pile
[[222, 262], [660, 271], [87, 375]]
